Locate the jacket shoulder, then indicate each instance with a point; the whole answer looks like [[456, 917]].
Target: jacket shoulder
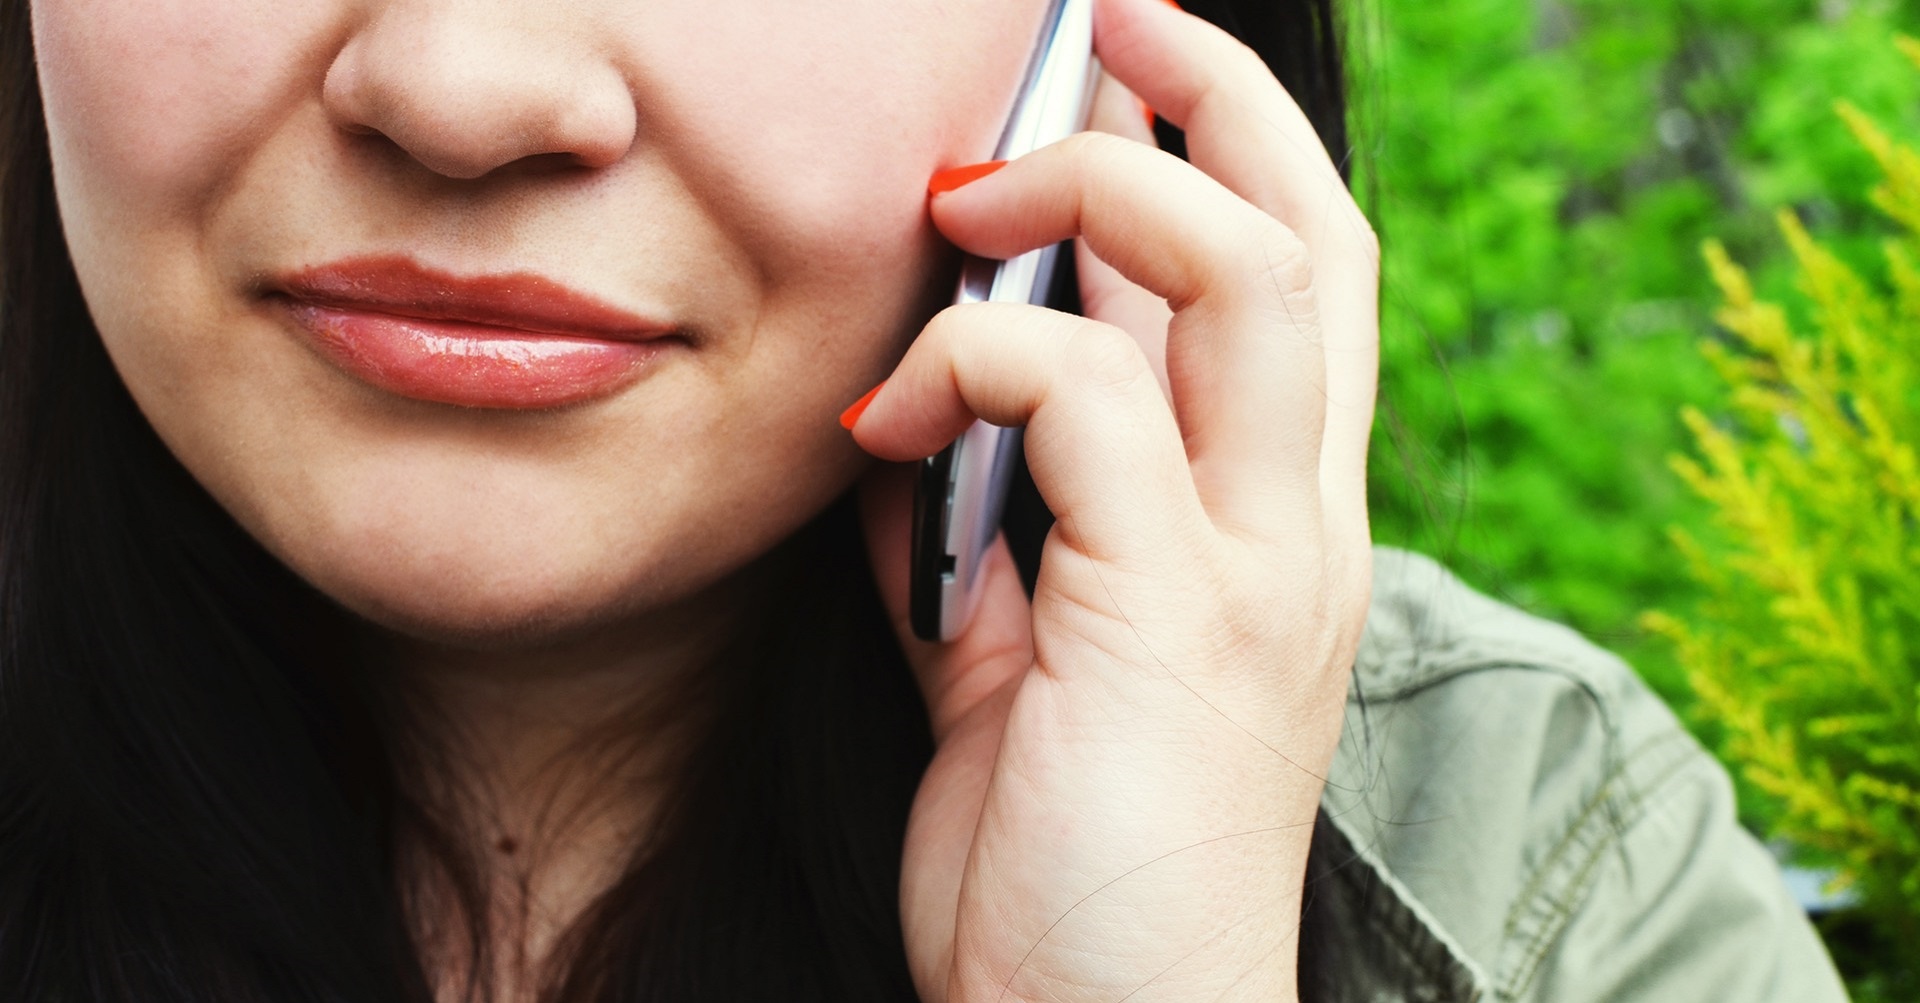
[[1547, 816]]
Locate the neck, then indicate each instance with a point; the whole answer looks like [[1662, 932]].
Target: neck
[[541, 769]]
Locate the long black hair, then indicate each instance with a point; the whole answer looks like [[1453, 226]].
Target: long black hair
[[198, 786]]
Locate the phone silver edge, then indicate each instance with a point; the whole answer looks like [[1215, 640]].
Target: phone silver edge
[[1053, 104]]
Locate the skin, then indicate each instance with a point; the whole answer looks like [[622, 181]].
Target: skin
[[1128, 766]]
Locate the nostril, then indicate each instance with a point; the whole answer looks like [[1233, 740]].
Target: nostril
[[464, 99], [597, 129]]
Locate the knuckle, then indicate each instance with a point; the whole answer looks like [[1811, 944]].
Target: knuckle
[[1082, 144], [1275, 277], [1230, 65], [1284, 257], [963, 340], [1090, 152], [1095, 157], [1102, 357]]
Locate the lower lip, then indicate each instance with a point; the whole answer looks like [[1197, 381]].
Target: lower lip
[[473, 365]]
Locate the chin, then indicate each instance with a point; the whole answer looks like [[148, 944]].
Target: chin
[[495, 600], [490, 555], [500, 620]]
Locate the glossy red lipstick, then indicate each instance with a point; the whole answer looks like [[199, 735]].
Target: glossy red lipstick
[[507, 340]]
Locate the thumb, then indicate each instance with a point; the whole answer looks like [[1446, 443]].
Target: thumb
[[997, 646]]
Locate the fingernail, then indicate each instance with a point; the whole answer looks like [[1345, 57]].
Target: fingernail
[[954, 177], [1173, 4], [851, 416], [1147, 111]]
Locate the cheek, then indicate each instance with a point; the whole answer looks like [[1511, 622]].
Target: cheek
[[817, 149], [150, 103], [154, 109]]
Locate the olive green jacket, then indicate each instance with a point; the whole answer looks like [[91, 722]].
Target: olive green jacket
[[1524, 820]]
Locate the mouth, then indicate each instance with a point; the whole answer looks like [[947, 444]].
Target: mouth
[[513, 340]]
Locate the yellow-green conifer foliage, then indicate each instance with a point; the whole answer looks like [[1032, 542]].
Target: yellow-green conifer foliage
[[1804, 647]]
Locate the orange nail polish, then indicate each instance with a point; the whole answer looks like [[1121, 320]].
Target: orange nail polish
[[1174, 4], [1146, 110], [851, 416], [954, 177]]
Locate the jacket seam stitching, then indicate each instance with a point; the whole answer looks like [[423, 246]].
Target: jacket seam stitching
[[1627, 802], [1603, 795]]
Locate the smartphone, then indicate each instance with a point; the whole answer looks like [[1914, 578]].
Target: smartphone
[[961, 491]]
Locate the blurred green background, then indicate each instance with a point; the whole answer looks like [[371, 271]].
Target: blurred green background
[[1543, 175]]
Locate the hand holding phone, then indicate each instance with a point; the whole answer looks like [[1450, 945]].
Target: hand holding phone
[[1129, 753]]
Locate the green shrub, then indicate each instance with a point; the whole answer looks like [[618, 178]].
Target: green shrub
[[1543, 173], [1803, 647]]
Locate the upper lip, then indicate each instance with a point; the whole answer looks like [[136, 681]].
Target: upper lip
[[522, 301]]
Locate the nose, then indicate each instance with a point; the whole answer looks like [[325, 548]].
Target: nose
[[466, 89]]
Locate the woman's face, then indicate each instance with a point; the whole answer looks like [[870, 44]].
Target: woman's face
[[694, 229]]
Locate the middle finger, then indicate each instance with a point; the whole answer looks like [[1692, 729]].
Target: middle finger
[[1243, 129]]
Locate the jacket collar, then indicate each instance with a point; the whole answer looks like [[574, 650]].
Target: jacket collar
[[1386, 946]]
